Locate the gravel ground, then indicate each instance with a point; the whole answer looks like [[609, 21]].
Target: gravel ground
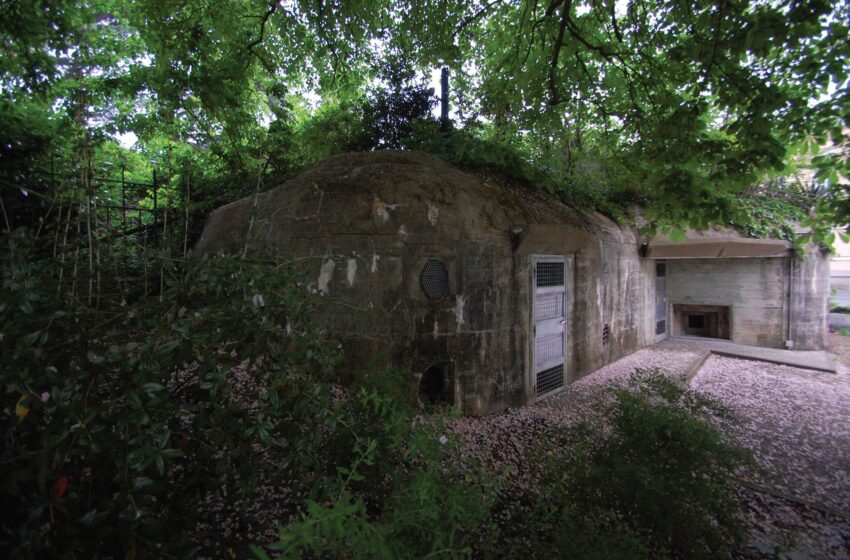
[[796, 422], [500, 442]]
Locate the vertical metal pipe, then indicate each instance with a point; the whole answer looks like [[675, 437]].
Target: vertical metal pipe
[[444, 99], [154, 197], [789, 341], [123, 199]]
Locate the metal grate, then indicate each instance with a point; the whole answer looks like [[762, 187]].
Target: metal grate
[[549, 380], [661, 327], [549, 306], [549, 349], [606, 335], [660, 269], [549, 274], [435, 280]]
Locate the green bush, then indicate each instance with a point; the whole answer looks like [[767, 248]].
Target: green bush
[[654, 482], [126, 415], [662, 471], [762, 216], [397, 493], [469, 149], [121, 417], [652, 479]]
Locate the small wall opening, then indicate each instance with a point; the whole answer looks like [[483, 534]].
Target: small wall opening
[[436, 385], [707, 321]]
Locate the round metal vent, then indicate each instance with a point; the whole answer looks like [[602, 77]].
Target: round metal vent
[[435, 280]]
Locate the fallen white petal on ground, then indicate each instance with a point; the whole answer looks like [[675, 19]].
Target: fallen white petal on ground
[[795, 421]]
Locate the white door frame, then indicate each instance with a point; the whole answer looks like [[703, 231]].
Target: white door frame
[[554, 310]]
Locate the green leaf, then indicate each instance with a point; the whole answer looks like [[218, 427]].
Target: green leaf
[[259, 552]]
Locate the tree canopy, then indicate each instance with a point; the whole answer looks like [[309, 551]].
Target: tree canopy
[[683, 106]]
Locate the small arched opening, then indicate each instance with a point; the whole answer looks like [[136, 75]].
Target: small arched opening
[[436, 386]]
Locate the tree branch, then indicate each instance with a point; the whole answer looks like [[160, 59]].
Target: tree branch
[[484, 9], [269, 13], [554, 97], [614, 22]]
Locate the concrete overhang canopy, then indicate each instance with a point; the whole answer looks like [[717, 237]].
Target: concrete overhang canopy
[[718, 247]]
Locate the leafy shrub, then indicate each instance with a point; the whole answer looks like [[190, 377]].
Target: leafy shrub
[[471, 150], [839, 309], [652, 479], [655, 482], [662, 473], [397, 496], [120, 418], [127, 415], [762, 216]]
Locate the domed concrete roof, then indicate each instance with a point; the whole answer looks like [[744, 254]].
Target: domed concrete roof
[[412, 196]]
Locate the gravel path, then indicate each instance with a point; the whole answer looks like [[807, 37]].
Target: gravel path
[[797, 424]]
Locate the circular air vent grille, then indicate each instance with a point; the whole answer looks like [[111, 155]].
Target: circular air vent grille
[[435, 280]]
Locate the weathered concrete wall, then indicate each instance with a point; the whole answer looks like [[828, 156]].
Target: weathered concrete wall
[[618, 303], [647, 278], [362, 226], [755, 289], [809, 300]]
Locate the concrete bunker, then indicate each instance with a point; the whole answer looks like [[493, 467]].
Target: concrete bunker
[[490, 294]]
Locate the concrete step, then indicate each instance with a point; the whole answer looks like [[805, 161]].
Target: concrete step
[[818, 360]]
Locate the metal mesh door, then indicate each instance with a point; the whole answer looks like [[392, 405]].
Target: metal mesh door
[[660, 299], [549, 324]]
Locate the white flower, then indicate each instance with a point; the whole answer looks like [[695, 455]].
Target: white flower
[[45, 396], [443, 440]]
